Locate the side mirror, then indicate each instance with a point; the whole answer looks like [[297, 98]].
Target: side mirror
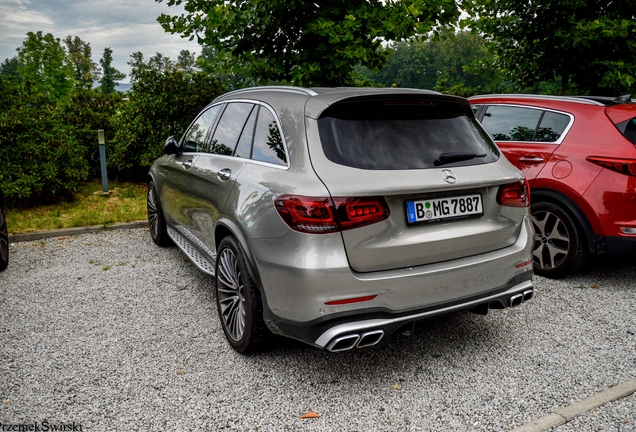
[[171, 146]]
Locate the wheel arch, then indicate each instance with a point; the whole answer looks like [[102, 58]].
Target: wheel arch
[[594, 243], [225, 227]]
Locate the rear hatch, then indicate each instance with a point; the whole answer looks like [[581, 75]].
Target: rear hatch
[[428, 162], [624, 117]]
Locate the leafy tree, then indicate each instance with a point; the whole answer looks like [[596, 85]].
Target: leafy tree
[[43, 62], [9, 67], [428, 63], [187, 62], [589, 45], [304, 42], [160, 104], [79, 53], [110, 75]]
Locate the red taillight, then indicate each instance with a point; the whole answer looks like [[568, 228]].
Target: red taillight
[[514, 194], [324, 215], [623, 166]]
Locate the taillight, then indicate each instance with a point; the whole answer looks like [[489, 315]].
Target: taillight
[[317, 215], [623, 166], [514, 194]]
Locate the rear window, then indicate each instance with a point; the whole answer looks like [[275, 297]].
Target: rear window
[[628, 128], [398, 135]]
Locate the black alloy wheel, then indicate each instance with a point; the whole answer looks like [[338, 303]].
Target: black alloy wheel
[[156, 221], [559, 244]]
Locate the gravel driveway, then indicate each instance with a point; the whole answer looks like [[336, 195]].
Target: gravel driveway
[[113, 333]]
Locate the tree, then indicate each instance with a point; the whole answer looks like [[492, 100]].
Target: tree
[[305, 42], [428, 63], [43, 63], [187, 62], [79, 53], [110, 75], [161, 103], [9, 67], [590, 45]]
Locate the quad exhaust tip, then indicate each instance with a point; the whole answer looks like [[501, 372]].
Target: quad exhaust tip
[[517, 299], [362, 340]]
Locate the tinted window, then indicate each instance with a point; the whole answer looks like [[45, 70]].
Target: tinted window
[[244, 147], [551, 127], [197, 136], [385, 136], [230, 127], [505, 123], [268, 142], [628, 128]]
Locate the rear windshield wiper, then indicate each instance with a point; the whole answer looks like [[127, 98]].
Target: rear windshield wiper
[[446, 158]]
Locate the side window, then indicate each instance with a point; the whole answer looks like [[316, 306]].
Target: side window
[[476, 108], [196, 137], [229, 128], [244, 146], [551, 127], [506, 123], [268, 141]]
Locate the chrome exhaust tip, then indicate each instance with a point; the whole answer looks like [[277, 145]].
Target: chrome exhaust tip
[[515, 300], [343, 343], [527, 295], [370, 338]]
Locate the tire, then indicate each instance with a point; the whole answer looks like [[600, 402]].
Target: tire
[[4, 240], [238, 300], [156, 221], [559, 244]]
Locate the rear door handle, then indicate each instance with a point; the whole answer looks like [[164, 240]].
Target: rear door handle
[[530, 159], [187, 164], [224, 174]]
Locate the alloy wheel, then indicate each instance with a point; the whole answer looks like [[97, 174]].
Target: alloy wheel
[[551, 240], [231, 292], [153, 216]]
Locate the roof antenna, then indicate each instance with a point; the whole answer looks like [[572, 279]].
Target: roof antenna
[[623, 99]]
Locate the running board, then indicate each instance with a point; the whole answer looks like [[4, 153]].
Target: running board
[[184, 242]]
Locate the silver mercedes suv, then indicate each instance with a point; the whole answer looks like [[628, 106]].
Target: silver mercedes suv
[[337, 216]]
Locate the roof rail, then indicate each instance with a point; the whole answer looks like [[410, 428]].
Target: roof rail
[[291, 89], [580, 99]]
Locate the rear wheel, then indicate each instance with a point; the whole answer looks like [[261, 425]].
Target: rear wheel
[[559, 244], [156, 222], [238, 300], [4, 240]]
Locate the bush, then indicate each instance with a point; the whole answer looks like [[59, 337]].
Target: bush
[[161, 104], [40, 156]]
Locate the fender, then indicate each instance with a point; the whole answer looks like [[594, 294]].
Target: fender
[[227, 225], [596, 244]]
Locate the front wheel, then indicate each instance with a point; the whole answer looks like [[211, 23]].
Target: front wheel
[[238, 300], [559, 244], [156, 221]]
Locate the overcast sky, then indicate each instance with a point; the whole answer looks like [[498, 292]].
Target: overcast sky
[[126, 26]]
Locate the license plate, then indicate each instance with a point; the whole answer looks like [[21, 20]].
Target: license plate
[[433, 210]]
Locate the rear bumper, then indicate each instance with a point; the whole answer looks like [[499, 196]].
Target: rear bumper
[[297, 286], [344, 331]]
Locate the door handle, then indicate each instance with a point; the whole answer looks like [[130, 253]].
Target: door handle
[[187, 164], [224, 174], [530, 159]]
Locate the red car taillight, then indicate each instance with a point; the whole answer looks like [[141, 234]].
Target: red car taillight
[[514, 194], [323, 215], [623, 166]]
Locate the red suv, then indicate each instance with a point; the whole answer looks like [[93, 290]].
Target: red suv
[[579, 156]]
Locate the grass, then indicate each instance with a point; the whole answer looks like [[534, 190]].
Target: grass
[[125, 202]]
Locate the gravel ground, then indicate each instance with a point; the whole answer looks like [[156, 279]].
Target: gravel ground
[[111, 332]]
